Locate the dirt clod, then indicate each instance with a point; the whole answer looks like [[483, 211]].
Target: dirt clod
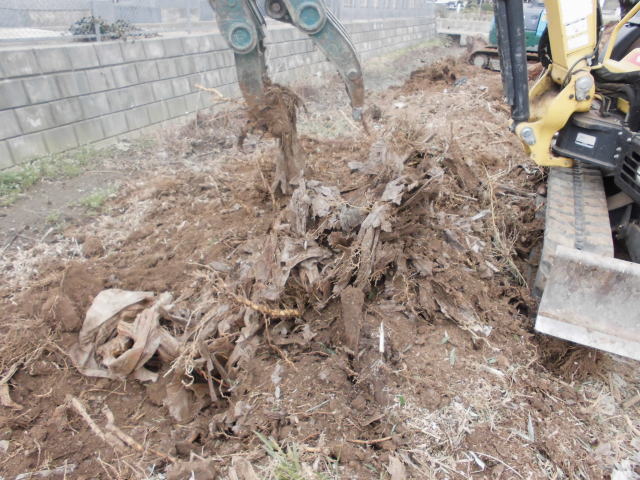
[[196, 470], [59, 311], [351, 319], [92, 247]]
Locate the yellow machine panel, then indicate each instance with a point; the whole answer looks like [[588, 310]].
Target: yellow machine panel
[[572, 34]]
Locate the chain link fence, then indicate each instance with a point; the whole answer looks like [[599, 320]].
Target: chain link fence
[[49, 21]]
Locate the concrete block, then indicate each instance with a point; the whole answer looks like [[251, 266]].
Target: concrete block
[[162, 90], [158, 112], [27, 147], [205, 101], [121, 99], [114, 124], [100, 79], [167, 68], [109, 53], [133, 51], [52, 59], [191, 44], [35, 118], [5, 156], [60, 139], [206, 42], [296, 34], [12, 94], [181, 86], [218, 43], [147, 71], [186, 65], [125, 75], [301, 46], [278, 35], [277, 50], [131, 135], [72, 84], [317, 57], [222, 59], [18, 63], [9, 126], [153, 49], [231, 90], [309, 46], [212, 79], [228, 75], [194, 102], [95, 105], [82, 56], [277, 65], [201, 62], [43, 88], [143, 94], [177, 107], [173, 47], [137, 118], [89, 131], [67, 111]]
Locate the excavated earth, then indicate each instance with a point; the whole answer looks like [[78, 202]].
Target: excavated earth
[[374, 323]]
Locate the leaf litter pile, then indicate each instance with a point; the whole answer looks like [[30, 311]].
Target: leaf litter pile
[[375, 322]]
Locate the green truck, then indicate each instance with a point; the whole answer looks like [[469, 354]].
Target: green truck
[[535, 22]]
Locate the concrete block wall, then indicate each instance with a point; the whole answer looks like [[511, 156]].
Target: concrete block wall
[[57, 98], [465, 26]]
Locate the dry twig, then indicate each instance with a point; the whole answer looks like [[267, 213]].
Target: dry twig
[[369, 442], [107, 437], [114, 437], [128, 440]]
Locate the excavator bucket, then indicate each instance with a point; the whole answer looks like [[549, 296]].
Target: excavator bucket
[[592, 300]]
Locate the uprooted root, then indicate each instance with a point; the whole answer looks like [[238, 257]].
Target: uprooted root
[[276, 114]]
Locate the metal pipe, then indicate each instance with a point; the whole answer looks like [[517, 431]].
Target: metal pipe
[[509, 16], [515, 16]]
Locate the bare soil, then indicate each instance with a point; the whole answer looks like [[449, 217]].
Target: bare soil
[[375, 323]]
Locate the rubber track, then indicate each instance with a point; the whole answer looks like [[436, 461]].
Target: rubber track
[[576, 216]]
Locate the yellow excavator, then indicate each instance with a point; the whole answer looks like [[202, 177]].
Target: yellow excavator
[[581, 118]]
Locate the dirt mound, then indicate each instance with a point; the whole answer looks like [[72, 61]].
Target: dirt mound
[[445, 71], [375, 320]]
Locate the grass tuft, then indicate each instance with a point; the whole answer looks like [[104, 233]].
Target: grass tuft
[[94, 202], [64, 165], [286, 463]]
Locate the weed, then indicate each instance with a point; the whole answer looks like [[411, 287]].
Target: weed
[[288, 466], [503, 244], [96, 200], [53, 218], [287, 463], [63, 165]]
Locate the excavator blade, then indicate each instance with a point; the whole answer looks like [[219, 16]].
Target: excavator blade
[[593, 300]]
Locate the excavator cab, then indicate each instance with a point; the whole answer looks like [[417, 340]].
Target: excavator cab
[[581, 119]]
